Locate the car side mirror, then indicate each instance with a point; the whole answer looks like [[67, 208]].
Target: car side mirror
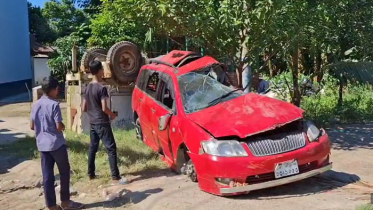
[[164, 121]]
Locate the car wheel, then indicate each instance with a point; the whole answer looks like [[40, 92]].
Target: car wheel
[[191, 171], [139, 135]]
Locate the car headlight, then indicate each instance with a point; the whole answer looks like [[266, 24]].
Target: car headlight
[[224, 148], [312, 131]]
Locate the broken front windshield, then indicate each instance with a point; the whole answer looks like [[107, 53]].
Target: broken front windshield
[[198, 90]]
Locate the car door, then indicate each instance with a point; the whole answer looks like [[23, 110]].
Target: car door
[[146, 112], [165, 104]]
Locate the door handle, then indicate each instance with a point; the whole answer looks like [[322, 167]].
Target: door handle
[[153, 110], [140, 99]]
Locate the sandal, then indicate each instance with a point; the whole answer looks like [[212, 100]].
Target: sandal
[[121, 181], [72, 206]]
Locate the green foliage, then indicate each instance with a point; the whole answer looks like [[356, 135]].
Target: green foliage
[[361, 72], [63, 16], [324, 109], [113, 25], [38, 25], [60, 62]]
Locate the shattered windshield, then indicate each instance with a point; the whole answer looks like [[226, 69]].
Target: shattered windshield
[[198, 90]]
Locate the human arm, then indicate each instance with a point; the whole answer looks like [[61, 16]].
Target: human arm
[[32, 119], [84, 106], [104, 97], [57, 116], [32, 125]]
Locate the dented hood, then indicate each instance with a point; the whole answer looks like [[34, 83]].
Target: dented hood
[[246, 115]]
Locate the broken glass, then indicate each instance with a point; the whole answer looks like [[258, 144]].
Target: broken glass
[[198, 89]]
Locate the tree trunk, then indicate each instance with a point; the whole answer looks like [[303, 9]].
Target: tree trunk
[[295, 61], [340, 99], [318, 69], [239, 74]]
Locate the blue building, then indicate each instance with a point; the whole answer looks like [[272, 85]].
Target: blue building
[[15, 53]]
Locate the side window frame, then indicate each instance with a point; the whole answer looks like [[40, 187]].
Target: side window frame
[[165, 81], [142, 79], [149, 76]]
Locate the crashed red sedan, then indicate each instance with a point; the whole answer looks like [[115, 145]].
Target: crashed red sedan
[[230, 142]]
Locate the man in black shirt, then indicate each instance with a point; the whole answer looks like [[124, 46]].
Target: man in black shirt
[[96, 96]]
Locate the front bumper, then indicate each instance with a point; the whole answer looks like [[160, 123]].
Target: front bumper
[[276, 182]]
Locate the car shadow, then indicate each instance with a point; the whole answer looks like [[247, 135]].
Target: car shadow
[[351, 137], [149, 174], [132, 197], [328, 181]]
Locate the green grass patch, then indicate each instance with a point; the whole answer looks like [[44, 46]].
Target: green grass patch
[[133, 155], [365, 207]]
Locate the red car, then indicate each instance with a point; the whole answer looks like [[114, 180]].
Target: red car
[[230, 142]]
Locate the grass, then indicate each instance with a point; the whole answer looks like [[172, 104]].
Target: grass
[[133, 156], [365, 207]]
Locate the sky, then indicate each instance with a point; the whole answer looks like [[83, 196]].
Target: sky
[[39, 3]]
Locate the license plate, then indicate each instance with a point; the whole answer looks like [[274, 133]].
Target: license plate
[[286, 169]]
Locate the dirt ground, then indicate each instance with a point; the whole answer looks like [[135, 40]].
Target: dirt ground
[[345, 187]]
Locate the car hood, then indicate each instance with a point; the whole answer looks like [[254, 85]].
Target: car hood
[[245, 116]]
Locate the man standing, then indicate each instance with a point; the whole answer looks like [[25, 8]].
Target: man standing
[[46, 121], [95, 104], [263, 85]]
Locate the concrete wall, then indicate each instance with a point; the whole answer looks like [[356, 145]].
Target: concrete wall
[[41, 70], [15, 60]]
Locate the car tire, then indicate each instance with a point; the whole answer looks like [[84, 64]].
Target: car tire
[[125, 61], [191, 171], [94, 53], [138, 128]]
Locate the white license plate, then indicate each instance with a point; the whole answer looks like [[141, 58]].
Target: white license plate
[[286, 169]]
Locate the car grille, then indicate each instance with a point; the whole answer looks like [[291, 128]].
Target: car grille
[[271, 176], [277, 144]]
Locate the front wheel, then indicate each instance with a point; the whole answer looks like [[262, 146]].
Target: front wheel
[[191, 171]]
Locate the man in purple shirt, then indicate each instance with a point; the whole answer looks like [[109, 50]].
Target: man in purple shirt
[[46, 121]]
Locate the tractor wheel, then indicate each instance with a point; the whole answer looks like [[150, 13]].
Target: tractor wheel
[[94, 53], [125, 61]]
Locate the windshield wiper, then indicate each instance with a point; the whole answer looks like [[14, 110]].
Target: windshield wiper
[[218, 100]]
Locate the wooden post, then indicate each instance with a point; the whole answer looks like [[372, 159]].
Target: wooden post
[[73, 59]]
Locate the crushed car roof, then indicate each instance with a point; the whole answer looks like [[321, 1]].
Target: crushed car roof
[[176, 57]]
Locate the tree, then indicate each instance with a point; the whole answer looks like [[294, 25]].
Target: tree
[[60, 62], [39, 26], [112, 25], [63, 17], [299, 36], [89, 6]]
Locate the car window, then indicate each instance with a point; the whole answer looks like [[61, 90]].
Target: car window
[[142, 79], [166, 97], [151, 85], [198, 90]]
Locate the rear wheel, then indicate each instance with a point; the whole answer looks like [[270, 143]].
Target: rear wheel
[[139, 135], [94, 53], [125, 61]]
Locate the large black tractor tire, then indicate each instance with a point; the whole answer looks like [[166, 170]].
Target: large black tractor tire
[[125, 61], [94, 53]]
